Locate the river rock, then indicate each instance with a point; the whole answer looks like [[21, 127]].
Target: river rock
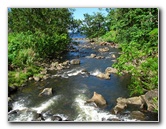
[[46, 92], [113, 56], [56, 118], [99, 57], [151, 99], [65, 63], [110, 70], [137, 115], [122, 103], [75, 61], [98, 99], [36, 78], [103, 43], [105, 49], [103, 76], [92, 55]]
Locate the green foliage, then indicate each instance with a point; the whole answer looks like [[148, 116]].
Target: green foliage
[[109, 36], [45, 30], [19, 77], [35, 34], [137, 34], [155, 101], [20, 51], [93, 26]]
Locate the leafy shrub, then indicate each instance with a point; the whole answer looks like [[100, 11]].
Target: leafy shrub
[[109, 36]]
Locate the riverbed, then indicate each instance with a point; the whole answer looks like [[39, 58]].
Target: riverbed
[[72, 87]]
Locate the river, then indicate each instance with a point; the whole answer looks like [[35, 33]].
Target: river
[[72, 87]]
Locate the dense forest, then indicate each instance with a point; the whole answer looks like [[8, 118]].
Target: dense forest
[[35, 35]]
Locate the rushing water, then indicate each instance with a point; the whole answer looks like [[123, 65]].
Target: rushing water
[[72, 87]]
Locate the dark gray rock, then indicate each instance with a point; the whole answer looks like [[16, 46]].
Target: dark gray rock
[[56, 118]]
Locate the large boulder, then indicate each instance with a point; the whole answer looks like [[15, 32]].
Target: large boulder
[[151, 99], [46, 92], [122, 103], [75, 61], [98, 99], [148, 101]]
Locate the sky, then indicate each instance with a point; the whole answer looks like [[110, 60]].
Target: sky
[[78, 13]]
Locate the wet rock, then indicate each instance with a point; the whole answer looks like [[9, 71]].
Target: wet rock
[[118, 108], [122, 103], [105, 49], [98, 99], [46, 92], [84, 70], [92, 55], [99, 57], [103, 76], [113, 56], [56, 118], [110, 70], [137, 115], [75, 61], [66, 63]]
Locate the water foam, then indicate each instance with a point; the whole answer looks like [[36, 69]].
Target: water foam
[[95, 72], [45, 105], [19, 105], [72, 72], [89, 112]]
